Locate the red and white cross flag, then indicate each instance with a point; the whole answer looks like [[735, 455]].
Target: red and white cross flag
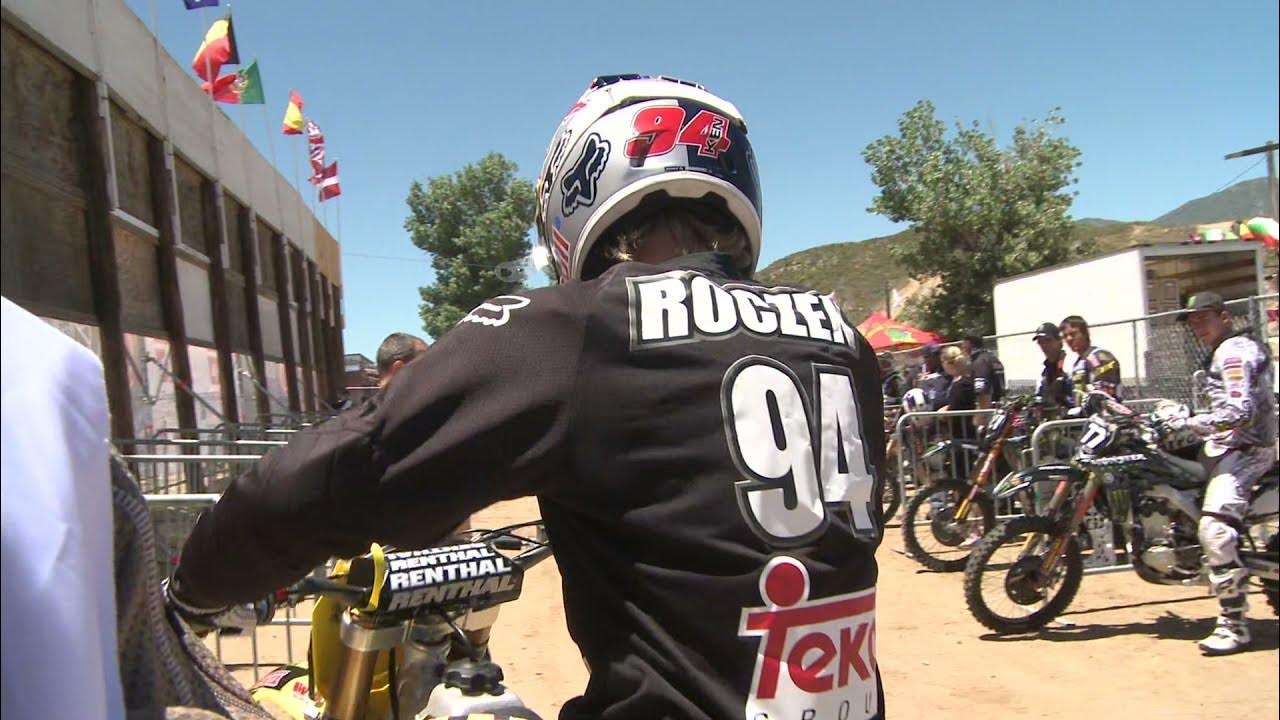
[[329, 187]]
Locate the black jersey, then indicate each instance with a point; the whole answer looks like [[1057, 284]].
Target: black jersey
[[704, 451]]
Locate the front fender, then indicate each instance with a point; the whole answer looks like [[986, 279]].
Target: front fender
[[1015, 482]]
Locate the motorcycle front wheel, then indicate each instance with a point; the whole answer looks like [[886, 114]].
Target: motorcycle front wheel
[[1003, 582], [933, 535]]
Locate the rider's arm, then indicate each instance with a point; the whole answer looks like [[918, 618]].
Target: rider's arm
[[480, 417], [1233, 405], [1106, 373]]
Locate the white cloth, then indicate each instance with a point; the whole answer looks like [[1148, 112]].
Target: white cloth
[[58, 594]]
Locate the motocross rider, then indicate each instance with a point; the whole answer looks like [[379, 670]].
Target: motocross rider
[[1095, 368], [1240, 430], [704, 449]]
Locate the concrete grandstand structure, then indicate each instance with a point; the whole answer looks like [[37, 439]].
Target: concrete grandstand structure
[[139, 219]]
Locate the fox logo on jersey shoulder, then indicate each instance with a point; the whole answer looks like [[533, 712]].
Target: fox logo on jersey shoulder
[[495, 312]]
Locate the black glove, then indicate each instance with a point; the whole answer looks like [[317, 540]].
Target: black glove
[[232, 620]]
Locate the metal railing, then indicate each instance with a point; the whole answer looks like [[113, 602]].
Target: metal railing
[[186, 474], [917, 432], [174, 516]]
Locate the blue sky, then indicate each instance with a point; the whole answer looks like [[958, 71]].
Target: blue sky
[[1154, 94]]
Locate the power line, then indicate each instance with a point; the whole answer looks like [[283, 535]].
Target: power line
[[1237, 177], [385, 257]]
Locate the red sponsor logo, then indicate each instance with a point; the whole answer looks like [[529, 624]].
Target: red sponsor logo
[[560, 253], [274, 679], [816, 658]]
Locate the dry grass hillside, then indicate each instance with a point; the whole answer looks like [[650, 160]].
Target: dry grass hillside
[[858, 272]]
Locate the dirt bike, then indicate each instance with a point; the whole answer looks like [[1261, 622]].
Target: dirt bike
[[944, 519], [404, 634], [1027, 570]]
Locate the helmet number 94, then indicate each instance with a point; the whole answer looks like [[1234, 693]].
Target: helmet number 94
[[797, 464], [659, 129]]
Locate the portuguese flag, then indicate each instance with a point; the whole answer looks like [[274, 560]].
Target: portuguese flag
[[218, 49], [242, 87]]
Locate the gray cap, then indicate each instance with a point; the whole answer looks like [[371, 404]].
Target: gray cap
[[1202, 301], [1047, 330]]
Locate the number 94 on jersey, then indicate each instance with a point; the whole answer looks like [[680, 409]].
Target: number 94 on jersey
[[801, 459]]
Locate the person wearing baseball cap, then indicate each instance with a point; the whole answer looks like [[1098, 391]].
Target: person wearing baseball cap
[[988, 371], [1055, 385], [1240, 430]]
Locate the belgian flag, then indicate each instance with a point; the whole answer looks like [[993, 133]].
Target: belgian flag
[[218, 49]]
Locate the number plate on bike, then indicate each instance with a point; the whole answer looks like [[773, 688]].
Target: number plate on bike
[[453, 576]]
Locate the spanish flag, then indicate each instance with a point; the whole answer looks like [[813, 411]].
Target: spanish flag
[[293, 120], [218, 49]]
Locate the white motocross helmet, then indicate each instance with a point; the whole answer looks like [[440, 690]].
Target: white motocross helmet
[[632, 138]]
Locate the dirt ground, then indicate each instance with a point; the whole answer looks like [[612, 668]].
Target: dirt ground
[[1125, 648]]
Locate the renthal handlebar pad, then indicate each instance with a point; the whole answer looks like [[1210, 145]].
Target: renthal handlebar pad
[[470, 575]]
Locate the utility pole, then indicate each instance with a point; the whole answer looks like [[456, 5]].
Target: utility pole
[[1270, 149], [888, 309]]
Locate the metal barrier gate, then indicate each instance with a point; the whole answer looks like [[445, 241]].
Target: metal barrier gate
[[173, 515], [917, 432]]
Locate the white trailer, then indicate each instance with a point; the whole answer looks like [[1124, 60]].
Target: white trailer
[[1115, 293]]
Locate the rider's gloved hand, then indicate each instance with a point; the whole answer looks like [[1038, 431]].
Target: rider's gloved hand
[[1170, 416], [233, 619]]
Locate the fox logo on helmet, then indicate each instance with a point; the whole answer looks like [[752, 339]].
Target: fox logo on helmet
[[579, 183]]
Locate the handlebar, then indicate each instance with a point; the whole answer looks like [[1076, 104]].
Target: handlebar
[[374, 567]]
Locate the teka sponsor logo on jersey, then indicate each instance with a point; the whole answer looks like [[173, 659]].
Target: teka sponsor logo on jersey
[[682, 306], [816, 658]]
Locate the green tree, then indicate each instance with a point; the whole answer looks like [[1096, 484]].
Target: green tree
[[475, 223], [979, 212]]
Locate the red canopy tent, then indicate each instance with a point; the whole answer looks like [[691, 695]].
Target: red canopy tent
[[886, 334]]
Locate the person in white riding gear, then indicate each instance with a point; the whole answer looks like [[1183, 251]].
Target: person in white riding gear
[[1240, 429]]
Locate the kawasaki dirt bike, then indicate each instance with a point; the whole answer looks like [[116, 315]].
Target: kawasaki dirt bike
[[944, 519], [1027, 570], [405, 634]]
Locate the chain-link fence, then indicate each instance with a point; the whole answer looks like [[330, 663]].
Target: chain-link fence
[[1158, 355]]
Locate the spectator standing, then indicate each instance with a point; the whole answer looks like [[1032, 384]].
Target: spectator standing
[[1055, 384], [931, 378], [962, 393], [891, 384], [397, 350], [960, 396], [986, 370]]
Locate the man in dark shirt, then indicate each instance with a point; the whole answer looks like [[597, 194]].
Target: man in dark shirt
[[1055, 385], [704, 448], [891, 384], [986, 368]]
